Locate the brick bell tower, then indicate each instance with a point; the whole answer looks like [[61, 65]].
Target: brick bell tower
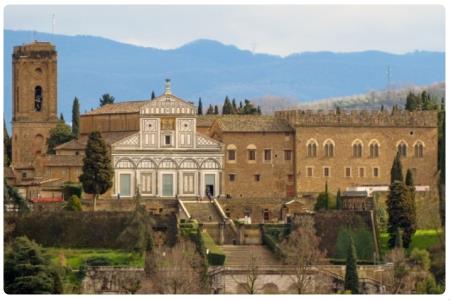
[[34, 102]]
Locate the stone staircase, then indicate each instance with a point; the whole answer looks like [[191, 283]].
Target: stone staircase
[[203, 212], [240, 255]]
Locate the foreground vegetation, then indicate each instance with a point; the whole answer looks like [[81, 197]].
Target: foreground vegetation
[[423, 239]]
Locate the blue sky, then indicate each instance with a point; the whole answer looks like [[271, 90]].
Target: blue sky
[[280, 30]]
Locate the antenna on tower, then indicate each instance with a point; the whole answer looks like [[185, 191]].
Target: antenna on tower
[[53, 23], [388, 79]]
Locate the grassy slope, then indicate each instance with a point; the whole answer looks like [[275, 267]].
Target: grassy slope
[[422, 239]]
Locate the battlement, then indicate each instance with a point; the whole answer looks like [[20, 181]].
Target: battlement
[[364, 118], [35, 50]]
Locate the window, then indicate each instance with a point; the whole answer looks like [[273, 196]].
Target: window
[[290, 178], [287, 154], [312, 148], [266, 215], [167, 140], [232, 155], [329, 148], [418, 150], [251, 154], [146, 183], [376, 172], [125, 184], [309, 171], [357, 149], [257, 177], [232, 177], [188, 183], [361, 172], [326, 172], [228, 212], [38, 98], [348, 172], [267, 155], [402, 148], [374, 150]]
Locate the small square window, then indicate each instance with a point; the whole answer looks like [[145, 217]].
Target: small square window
[[348, 172], [290, 178], [232, 155], [376, 172], [168, 140], [267, 155], [326, 172], [251, 154], [309, 172], [287, 154], [232, 177], [257, 177]]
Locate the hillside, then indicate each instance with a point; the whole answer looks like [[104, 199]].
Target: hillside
[[90, 66]]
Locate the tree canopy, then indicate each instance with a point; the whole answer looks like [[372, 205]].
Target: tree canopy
[[58, 135], [106, 99], [76, 118]]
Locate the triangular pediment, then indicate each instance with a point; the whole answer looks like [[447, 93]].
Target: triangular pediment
[[168, 104], [204, 141], [131, 141]]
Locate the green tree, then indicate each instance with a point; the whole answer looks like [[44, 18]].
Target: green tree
[[210, 110], [76, 118], [441, 160], [12, 196], [58, 135], [227, 107], [28, 270], [97, 170], [339, 204], [138, 234], [7, 146], [200, 107], [153, 95], [323, 199], [351, 281], [397, 169], [106, 99], [234, 107], [412, 102], [248, 108], [61, 117], [74, 204], [216, 109], [258, 110]]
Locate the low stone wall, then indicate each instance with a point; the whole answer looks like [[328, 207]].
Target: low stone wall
[[112, 280]]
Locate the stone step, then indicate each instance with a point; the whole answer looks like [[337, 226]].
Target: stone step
[[241, 255], [203, 212]]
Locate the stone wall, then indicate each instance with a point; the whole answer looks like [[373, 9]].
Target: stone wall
[[111, 280]]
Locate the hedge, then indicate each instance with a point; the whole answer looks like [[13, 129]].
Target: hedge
[[215, 256], [70, 189], [270, 241]]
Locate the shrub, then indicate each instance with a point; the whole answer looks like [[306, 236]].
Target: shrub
[[270, 241], [215, 255], [95, 261], [74, 204], [362, 239], [71, 189]]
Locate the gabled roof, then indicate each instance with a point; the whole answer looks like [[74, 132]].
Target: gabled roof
[[108, 137], [250, 123], [168, 104], [119, 107]]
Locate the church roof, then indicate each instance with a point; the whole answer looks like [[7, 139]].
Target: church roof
[[250, 123], [119, 107], [206, 120], [80, 144]]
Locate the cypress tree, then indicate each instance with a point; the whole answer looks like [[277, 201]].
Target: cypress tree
[[241, 107], [234, 107], [76, 118], [397, 169], [153, 95], [200, 107], [410, 221], [227, 107], [258, 110], [398, 209], [216, 110], [338, 200], [210, 110], [412, 102], [398, 239], [97, 170], [61, 117], [7, 146], [351, 282]]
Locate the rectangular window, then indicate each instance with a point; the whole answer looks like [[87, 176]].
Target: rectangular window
[[290, 178], [348, 172], [309, 172], [146, 183], [125, 184], [251, 154], [267, 155], [167, 140], [361, 172], [257, 177], [232, 155], [326, 172], [232, 177], [167, 185], [376, 172], [287, 154]]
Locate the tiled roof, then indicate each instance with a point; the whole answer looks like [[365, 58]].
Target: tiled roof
[[119, 107], [80, 144], [64, 161], [206, 121], [248, 123]]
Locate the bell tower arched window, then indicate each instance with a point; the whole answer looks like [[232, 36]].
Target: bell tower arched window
[[418, 150], [38, 98]]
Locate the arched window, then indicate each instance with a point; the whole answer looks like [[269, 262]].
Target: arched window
[[402, 148], [374, 149], [329, 148], [312, 148], [38, 98], [357, 148], [418, 149]]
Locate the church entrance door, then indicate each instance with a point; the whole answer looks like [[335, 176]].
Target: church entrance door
[[167, 185], [209, 184]]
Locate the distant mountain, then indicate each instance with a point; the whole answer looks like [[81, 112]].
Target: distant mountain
[[90, 66]]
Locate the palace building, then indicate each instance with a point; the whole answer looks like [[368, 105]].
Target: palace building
[[162, 148]]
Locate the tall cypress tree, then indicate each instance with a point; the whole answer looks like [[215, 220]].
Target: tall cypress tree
[[153, 95], [7, 146], [210, 110], [410, 222], [216, 109], [397, 169], [234, 107], [97, 170], [412, 102], [227, 107], [200, 107], [351, 282], [76, 118], [61, 117]]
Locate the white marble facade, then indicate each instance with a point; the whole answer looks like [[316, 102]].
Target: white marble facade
[[167, 157]]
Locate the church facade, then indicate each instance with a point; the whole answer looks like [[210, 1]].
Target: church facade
[[167, 157]]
